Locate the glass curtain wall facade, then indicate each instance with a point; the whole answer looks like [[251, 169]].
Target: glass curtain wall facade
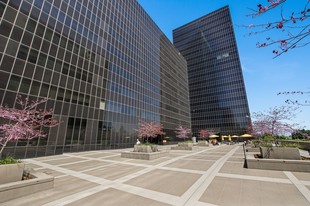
[[102, 64], [218, 98]]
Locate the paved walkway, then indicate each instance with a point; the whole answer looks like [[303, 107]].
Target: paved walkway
[[203, 177]]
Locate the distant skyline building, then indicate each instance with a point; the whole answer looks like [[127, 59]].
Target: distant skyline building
[[217, 91], [104, 66]]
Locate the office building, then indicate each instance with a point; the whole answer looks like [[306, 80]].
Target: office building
[[218, 98], [103, 64]]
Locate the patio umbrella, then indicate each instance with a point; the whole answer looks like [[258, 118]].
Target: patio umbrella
[[224, 136], [235, 136], [229, 138], [213, 136], [246, 135]]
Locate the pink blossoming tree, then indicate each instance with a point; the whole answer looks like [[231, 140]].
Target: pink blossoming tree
[[294, 25], [25, 122], [203, 134], [149, 129], [182, 132], [274, 122]]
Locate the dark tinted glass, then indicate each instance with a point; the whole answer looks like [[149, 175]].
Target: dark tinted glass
[[19, 67], [7, 63], [10, 14], [12, 48], [40, 30], [4, 77], [29, 70], [21, 20], [2, 7], [33, 56], [14, 83], [3, 41], [15, 3], [35, 88], [5, 28], [23, 52], [17, 34], [25, 85], [27, 38], [25, 8]]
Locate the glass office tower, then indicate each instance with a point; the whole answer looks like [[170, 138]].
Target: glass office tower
[[218, 98], [103, 65]]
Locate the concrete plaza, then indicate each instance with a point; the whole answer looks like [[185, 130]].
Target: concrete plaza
[[204, 176]]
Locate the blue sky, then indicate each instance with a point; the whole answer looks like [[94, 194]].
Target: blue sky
[[264, 76]]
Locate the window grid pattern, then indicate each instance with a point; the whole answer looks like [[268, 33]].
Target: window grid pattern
[[218, 99], [99, 63]]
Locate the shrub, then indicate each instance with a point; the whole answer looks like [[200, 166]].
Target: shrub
[[7, 159]]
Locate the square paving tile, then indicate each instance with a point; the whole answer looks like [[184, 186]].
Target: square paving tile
[[117, 158], [100, 155], [229, 191], [150, 162], [206, 157], [42, 159], [64, 186], [50, 172], [237, 168], [302, 176], [30, 165], [64, 160], [115, 171], [85, 165], [191, 164], [220, 154], [173, 155], [78, 154], [113, 197], [236, 159], [238, 153], [171, 182], [203, 156]]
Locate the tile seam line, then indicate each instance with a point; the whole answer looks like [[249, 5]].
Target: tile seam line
[[74, 173], [207, 181], [298, 184], [255, 178], [161, 165]]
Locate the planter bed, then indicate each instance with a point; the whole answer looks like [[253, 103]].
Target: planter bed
[[278, 158], [13, 190], [144, 155], [278, 164], [11, 172], [181, 148], [253, 149], [280, 153], [203, 143]]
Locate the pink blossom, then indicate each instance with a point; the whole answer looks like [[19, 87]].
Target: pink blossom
[[149, 129], [182, 132], [280, 25], [203, 133], [26, 123]]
